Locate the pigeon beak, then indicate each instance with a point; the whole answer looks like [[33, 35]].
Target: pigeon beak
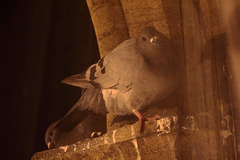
[[153, 39], [49, 145]]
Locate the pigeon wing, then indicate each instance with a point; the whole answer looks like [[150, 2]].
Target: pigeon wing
[[98, 75], [110, 71]]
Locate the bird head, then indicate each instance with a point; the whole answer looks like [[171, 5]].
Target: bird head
[[149, 35], [154, 45], [50, 136]]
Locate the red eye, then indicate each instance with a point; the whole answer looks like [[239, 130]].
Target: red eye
[[144, 39]]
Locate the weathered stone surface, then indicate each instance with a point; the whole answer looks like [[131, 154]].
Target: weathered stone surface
[[160, 139], [157, 141], [109, 24]]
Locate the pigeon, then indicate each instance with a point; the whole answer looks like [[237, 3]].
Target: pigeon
[[138, 73], [78, 124], [90, 126]]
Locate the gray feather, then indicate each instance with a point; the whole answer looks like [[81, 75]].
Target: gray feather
[[137, 73], [55, 138]]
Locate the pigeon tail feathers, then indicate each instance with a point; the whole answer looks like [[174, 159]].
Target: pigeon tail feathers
[[78, 80]]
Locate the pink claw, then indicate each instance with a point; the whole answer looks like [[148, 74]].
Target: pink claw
[[142, 119]]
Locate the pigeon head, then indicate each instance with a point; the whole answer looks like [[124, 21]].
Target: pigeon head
[[154, 45], [64, 132], [149, 35], [50, 136]]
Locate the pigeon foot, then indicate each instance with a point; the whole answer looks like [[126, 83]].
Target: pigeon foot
[[142, 119]]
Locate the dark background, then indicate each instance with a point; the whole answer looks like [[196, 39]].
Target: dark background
[[41, 43]]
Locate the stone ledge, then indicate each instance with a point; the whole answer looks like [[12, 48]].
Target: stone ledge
[[160, 140], [157, 141]]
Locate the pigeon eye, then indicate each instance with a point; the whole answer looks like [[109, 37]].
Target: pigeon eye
[[144, 39]]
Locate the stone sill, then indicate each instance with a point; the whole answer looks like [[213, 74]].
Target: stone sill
[[157, 141]]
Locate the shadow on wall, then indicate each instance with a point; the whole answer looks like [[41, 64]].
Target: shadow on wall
[[41, 43]]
